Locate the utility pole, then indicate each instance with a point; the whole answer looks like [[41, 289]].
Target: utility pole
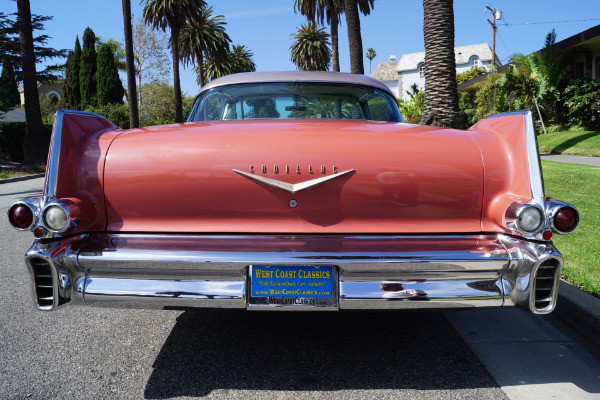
[[496, 15]]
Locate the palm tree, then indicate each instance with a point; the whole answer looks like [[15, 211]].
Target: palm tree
[[310, 50], [174, 14], [370, 55], [351, 8], [134, 119], [239, 59], [204, 37], [321, 11], [441, 95], [36, 142]]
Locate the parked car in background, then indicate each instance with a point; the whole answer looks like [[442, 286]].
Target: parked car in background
[[295, 191]]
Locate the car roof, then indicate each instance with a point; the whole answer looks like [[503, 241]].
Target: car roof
[[296, 76]]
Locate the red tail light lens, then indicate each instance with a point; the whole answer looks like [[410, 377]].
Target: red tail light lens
[[20, 216], [566, 219]]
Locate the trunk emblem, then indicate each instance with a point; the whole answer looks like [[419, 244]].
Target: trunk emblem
[[292, 187]]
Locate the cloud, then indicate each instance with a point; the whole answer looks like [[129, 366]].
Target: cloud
[[259, 13]]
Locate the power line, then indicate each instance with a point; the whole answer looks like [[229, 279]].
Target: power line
[[550, 22], [504, 44]]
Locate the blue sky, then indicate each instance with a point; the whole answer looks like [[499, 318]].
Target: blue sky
[[394, 26]]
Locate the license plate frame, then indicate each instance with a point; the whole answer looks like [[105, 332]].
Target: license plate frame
[[306, 288]]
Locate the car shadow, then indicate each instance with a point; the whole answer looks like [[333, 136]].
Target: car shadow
[[223, 349], [28, 193]]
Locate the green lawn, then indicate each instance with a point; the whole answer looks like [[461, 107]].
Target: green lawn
[[12, 173], [580, 186], [579, 143]]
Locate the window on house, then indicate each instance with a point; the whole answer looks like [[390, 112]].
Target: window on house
[[597, 67], [474, 62], [421, 69]]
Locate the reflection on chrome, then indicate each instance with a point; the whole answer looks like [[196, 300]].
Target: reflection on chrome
[[181, 271]]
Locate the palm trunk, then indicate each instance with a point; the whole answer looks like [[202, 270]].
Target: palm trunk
[[354, 37], [176, 85], [36, 142], [134, 119], [441, 95], [201, 70], [335, 54], [140, 91]]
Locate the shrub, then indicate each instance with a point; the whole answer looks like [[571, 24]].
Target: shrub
[[118, 114], [11, 139], [470, 74], [413, 109], [581, 99]]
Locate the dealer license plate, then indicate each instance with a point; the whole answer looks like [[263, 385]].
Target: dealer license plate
[[293, 285]]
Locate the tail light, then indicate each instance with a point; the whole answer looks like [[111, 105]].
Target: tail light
[[564, 218], [22, 215], [535, 222]]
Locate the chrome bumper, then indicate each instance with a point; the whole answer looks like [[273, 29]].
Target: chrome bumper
[[374, 272]]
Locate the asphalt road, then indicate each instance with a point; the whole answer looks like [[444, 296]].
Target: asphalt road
[[79, 352]]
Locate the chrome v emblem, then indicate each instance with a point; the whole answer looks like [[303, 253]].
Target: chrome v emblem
[[292, 187]]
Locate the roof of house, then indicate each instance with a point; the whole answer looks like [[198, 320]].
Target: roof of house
[[12, 115], [386, 71], [409, 62], [587, 37]]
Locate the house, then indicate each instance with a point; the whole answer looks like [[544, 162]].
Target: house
[[582, 50], [410, 69], [51, 90], [584, 53]]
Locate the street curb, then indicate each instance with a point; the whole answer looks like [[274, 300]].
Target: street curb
[[21, 178], [580, 310]]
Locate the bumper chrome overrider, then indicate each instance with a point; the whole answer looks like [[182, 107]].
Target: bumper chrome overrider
[[373, 272]]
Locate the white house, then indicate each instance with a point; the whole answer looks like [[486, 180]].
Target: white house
[[411, 67]]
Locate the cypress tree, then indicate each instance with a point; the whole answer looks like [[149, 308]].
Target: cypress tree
[[87, 71], [9, 91], [110, 88], [75, 85], [68, 86]]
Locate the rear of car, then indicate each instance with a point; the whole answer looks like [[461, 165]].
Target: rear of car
[[294, 191]]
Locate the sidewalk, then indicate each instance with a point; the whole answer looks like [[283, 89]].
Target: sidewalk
[[594, 161]]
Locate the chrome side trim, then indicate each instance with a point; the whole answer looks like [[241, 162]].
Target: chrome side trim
[[53, 158], [536, 178]]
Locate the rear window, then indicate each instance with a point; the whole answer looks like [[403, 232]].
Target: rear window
[[295, 100]]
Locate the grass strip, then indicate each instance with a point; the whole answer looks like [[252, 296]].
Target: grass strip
[[579, 185], [578, 143]]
